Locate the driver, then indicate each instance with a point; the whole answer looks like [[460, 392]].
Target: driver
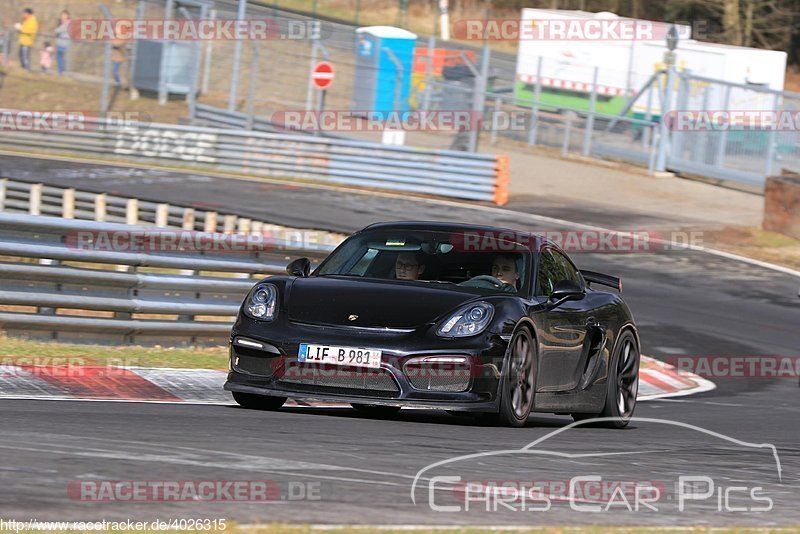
[[504, 268], [408, 266]]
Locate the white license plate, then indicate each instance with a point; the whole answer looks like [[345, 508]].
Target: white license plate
[[339, 355]]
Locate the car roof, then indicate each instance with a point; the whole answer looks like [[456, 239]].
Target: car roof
[[438, 226]]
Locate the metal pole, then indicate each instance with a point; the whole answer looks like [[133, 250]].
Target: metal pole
[[310, 89], [682, 103], [771, 138], [479, 100], [567, 132], [207, 62], [722, 145], [426, 101], [191, 95], [134, 93], [663, 145], [494, 120], [589, 131], [166, 53], [648, 115], [251, 93], [320, 109], [104, 95], [444, 20], [237, 56], [537, 95]]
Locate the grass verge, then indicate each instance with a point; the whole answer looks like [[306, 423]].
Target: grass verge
[[755, 243], [52, 353]]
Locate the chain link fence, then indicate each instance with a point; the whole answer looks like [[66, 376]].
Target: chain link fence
[[541, 105]]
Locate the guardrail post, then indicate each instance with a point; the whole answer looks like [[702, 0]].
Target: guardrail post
[[244, 226], [132, 211], [210, 222], [35, 201], [100, 207], [188, 224], [257, 228], [3, 182], [162, 215], [229, 224], [188, 219], [68, 204], [44, 310]]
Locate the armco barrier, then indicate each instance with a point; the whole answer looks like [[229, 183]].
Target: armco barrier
[[39, 199], [143, 296], [362, 164]]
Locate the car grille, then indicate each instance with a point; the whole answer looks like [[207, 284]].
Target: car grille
[[437, 376], [253, 365], [378, 382]]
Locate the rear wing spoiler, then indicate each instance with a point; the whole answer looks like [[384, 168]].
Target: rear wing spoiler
[[603, 279]]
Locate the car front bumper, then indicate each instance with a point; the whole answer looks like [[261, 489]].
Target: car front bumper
[[273, 368]]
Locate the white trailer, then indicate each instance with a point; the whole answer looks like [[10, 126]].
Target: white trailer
[[625, 65]]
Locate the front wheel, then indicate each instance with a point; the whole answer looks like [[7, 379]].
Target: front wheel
[[519, 382], [257, 402]]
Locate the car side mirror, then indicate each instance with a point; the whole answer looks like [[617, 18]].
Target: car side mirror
[[299, 267], [566, 290]]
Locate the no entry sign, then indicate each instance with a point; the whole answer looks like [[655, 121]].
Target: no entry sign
[[323, 75]]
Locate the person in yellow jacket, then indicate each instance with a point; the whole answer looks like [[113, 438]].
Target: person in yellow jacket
[[27, 35]]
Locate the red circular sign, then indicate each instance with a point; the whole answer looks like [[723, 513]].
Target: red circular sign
[[323, 75]]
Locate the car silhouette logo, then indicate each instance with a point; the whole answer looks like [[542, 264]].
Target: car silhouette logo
[[352, 317]]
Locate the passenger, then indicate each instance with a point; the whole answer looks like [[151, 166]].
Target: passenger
[[408, 266]]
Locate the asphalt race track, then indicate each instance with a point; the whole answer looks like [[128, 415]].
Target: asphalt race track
[[337, 466]]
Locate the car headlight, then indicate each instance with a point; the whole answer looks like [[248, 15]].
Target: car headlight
[[262, 302], [469, 320]]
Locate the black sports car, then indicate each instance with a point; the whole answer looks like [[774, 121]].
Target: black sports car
[[444, 316]]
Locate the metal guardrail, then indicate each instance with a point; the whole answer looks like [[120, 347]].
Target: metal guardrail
[[141, 296], [39, 199], [371, 165]]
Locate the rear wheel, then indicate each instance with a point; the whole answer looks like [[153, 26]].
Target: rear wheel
[[519, 382], [376, 409], [257, 402]]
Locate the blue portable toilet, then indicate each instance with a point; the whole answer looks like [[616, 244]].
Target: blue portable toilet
[[380, 85]]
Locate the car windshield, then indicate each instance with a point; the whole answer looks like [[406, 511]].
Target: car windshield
[[469, 258]]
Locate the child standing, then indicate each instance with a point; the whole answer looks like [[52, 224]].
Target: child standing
[[46, 57]]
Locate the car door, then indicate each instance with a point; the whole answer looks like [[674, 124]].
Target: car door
[[564, 328]]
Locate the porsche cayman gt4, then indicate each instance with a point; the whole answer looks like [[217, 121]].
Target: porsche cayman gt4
[[468, 319]]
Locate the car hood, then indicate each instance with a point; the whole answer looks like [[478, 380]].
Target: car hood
[[333, 300]]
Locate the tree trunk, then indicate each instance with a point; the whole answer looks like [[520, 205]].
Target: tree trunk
[[747, 38], [732, 22], [635, 9]]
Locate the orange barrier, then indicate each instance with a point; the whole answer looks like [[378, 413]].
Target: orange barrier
[[502, 180]]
